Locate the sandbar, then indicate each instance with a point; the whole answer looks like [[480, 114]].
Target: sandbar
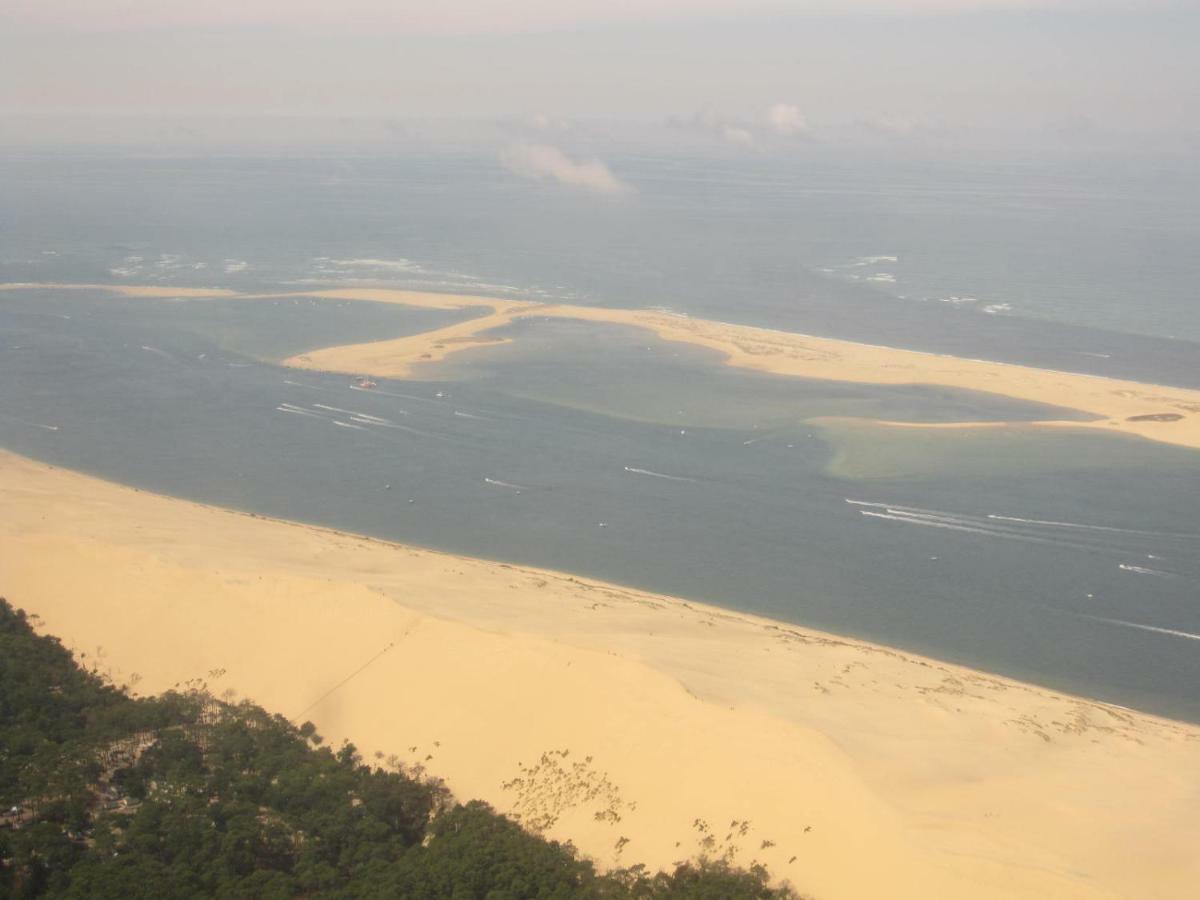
[[1169, 415]]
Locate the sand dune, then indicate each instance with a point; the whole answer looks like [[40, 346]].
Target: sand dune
[[600, 713]]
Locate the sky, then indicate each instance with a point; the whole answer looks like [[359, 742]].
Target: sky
[[737, 74]]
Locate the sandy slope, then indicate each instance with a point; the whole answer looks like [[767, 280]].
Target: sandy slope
[[881, 773]]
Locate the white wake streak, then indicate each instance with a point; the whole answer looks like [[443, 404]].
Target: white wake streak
[[1174, 632], [504, 484], [1109, 528], [636, 471]]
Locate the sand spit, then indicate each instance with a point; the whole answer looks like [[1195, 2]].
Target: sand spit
[[642, 727], [130, 290], [1166, 414]]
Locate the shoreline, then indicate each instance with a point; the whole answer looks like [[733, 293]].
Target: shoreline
[[1117, 405], [1158, 413], [952, 782]]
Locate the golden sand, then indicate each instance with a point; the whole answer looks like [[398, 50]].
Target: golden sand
[[1118, 405], [852, 770], [129, 290]]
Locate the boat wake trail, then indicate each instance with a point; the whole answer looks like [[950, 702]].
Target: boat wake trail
[[382, 393], [1157, 629], [354, 412], [297, 411], [1106, 540], [1077, 525], [635, 471], [41, 425], [162, 354], [1142, 570], [504, 484]]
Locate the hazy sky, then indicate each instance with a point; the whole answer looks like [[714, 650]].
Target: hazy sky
[[731, 71]]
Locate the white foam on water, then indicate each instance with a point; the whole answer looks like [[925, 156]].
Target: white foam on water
[[929, 523], [349, 412], [897, 508], [299, 412], [463, 415], [504, 484], [163, 353], [42, 425], [348, 425], [394, 265], [383, 393], [635, 471], [953, 522], [1080, 525], [1142, 570], [1174, 632]]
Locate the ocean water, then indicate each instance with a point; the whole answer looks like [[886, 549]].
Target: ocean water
[[1069, 559], [1072, 264]]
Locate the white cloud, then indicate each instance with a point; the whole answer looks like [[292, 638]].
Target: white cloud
[[786, 119], [542, 162]]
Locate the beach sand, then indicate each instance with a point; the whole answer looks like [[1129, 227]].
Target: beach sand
[[1169, 415], [616, 718]]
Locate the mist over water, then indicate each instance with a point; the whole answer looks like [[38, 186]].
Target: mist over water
[[1069, 559], [947, 256]]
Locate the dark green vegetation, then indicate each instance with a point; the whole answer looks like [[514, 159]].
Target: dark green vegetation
[[183, 795]]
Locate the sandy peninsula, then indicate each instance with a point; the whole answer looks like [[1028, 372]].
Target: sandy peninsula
[[127, 290], [644, 728], [1169, 415]]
